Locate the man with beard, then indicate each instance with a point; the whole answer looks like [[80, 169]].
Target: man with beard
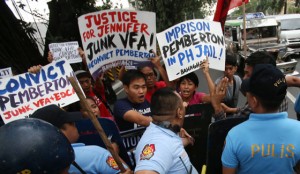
[[160, 149]]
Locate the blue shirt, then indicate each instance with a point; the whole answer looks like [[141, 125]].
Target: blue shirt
[[161, 150], [124, 105], [93, 160], [266, 143]]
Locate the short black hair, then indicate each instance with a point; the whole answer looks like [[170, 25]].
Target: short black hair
[[231, 60], [131, 75], [190, 76], [140, 68], [260, 57], [164, 102]]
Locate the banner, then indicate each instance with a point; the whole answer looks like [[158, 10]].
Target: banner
[[67, 50], [185, 45], [223, 6], [113, 38], [23, 94], [5, 72]]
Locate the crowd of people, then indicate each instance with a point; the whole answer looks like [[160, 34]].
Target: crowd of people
[[266, 143]]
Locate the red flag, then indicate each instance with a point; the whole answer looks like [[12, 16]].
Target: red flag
[[223, 6]]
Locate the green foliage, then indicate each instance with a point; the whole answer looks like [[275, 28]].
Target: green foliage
[[171, 12], [294, 10], [63, 24], [268, 7]]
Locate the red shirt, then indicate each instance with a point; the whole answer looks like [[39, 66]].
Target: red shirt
[[104, 112], [158, 85]]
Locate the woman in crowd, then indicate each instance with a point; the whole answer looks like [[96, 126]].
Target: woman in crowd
[[189, 83]]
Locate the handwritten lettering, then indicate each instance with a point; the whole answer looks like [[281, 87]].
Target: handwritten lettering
[[14, 84], [21, 97], [40, 103], [185, 28], [112, 16], [190, 40]]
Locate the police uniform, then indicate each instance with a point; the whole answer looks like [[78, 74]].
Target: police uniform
[[266, 143], [93, 160], [161, 150]]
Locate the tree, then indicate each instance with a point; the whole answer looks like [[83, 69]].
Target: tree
[[171, 12], [18, 50], [63, 25]]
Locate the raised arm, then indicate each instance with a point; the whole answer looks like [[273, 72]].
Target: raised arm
[[216, 98], [82, 55], [156, 62], [50, 57], [211, 86]]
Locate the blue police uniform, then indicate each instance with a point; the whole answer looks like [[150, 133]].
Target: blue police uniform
[[266, 143], [93, 160], [161, 150]]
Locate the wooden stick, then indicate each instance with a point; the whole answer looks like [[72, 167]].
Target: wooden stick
[[244, 30], [96, 123]]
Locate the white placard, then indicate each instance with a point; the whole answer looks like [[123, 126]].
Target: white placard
[[186, 44], [23, 94], [113, 38], [67, 50], [5, 72]]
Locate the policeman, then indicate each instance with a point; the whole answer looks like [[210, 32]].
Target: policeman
[[160, 149], [31, 146]]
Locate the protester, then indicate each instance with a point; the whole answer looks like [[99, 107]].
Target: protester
[[268, 142], [259, 57], [189, 83], [92, 103], [151, 77], [160, 149], [34, 146], [92, 159], [133, 110], [234, 81], [96, 91]]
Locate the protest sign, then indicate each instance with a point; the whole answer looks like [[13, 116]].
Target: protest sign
[[186, 44], [67, 50], [5, 72], [23, 94], [113, 38]]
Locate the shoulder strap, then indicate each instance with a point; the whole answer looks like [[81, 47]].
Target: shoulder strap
[[78, 167], [233, 92]]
